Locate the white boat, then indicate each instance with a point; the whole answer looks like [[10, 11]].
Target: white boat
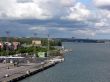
[[55, 60]]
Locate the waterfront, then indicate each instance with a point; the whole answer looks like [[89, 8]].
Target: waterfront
[[88, 62], [10, 73]]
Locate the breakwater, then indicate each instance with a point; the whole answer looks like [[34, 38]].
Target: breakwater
[[13, 74]]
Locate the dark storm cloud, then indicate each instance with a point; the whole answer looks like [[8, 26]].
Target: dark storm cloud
[[21, 27], [15, 28], [54, 23]]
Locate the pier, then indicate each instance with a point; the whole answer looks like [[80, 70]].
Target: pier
[[9, 73]]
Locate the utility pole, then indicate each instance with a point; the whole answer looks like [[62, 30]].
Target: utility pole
[[0, 39], [1, 44], [15, 39], [48, 45], [34, 51], [7, 33], [7, 45], [35, 34]]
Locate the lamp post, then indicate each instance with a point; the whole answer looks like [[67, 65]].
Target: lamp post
[[48, 52], [35, 34], [7, 33], [1, 45], [34, 55], [7, 45]]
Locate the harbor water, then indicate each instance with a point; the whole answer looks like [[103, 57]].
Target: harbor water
[[88, 62]]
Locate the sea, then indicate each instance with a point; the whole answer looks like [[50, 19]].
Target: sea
[[87, 62]]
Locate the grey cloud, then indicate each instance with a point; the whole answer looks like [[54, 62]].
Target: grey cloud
[[24, 1], [55, 23], [55, 27], [103, 4]]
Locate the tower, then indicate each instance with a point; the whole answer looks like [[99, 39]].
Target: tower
[[8, 33]]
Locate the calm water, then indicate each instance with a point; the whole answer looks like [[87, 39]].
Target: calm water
[[86, 63]]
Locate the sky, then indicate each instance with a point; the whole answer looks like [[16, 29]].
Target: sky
[[59, 18]]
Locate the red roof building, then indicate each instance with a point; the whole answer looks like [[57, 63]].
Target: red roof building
[[1, 45]]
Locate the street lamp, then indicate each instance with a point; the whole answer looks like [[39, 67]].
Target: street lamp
[[48, 45], [7, 33], [34, 54], [7, 45]]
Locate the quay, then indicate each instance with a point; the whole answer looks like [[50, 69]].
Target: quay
[[9, 73]]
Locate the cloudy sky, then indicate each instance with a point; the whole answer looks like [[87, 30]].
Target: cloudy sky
[[59, 18]]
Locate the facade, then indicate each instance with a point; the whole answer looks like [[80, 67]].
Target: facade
[[11, 46], [1, 45], [8, 43], [8, 46], [37, 42], [42, 54], [15, 45]]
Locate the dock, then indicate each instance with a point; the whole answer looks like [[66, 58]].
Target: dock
[[9, 73]]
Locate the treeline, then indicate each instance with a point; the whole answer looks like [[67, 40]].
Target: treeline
[[51, 42], [24, 40], [30, 50]]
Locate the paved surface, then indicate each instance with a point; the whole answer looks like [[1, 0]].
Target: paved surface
[[14, 72]]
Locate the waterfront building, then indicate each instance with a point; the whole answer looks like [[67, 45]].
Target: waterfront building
[[15, 45], [1, 45], [42, 54], [8, 43], [8, 46], [37, 42]]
